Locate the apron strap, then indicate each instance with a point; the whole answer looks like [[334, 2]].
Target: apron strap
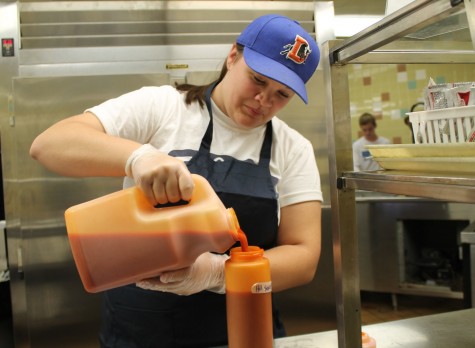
[[208, 137], [266, 148]]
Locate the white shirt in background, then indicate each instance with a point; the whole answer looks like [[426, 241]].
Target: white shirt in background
[[362, 160]]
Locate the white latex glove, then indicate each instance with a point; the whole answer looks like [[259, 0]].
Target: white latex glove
[[162, 178], [207, 273]]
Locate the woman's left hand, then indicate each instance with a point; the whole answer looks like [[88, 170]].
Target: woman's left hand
[[206, 273]]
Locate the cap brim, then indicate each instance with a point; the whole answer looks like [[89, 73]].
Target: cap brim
[[275, 71]]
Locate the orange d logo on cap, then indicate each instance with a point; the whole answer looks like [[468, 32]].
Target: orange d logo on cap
[[298, 51]]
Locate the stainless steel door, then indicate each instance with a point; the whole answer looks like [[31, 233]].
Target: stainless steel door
[[46, 290]]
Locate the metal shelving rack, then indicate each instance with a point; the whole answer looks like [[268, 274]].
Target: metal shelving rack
[[380, 44]]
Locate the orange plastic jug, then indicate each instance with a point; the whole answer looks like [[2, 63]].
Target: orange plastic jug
[[120, 238], [248, 299]]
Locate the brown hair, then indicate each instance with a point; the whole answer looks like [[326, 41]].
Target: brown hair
[[198, 93], [367, 118]]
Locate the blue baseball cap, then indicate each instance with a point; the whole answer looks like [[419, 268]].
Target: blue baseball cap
[[279, 48]]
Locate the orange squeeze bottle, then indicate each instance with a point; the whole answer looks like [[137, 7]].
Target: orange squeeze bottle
[[120, 238], [248, 299]]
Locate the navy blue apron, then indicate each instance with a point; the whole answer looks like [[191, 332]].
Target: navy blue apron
[[133, 317]]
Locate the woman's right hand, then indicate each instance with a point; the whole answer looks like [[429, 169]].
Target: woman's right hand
[[162, 178]]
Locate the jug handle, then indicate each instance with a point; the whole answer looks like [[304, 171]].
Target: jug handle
[[169, 204], [200, 193]]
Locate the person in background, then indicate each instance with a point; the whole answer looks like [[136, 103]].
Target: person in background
[[362, 160], [227, 132]]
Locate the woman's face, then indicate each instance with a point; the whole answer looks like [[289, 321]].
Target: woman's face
[[247, 97]]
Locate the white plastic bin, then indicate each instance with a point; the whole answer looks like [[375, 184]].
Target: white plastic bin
[[452, 125]]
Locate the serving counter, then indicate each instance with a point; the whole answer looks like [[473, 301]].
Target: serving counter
[[450, 329]]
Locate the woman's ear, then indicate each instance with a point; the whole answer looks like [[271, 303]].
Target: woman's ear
[[232, 55]]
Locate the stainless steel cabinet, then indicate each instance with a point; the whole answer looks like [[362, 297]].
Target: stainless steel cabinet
[[385, 42]]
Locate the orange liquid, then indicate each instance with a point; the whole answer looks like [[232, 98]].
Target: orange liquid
[[243, 240], [249, 320], [109, 260]]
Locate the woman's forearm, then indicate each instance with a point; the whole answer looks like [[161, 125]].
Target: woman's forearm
[[294, 261], [291, 266], [78, 146]]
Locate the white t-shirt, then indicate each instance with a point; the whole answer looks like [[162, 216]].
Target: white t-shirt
[[160, 117], [362, 160]]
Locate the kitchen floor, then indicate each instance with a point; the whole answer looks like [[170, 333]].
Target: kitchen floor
[[375, 308]]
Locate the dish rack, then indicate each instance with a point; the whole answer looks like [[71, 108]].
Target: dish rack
[[451, 125]]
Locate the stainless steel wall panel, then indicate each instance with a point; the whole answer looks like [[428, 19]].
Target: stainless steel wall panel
[[132, 23], [112, 55], [117, 60], [8, 68], [127, 40], [55, 298], [9, 28], [128, 28]]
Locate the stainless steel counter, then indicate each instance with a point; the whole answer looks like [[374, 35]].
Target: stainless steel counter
[[453, 329]]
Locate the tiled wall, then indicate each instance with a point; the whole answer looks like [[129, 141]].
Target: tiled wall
[[389, 91]]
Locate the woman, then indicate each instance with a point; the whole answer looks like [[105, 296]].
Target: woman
[[228, 133]]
